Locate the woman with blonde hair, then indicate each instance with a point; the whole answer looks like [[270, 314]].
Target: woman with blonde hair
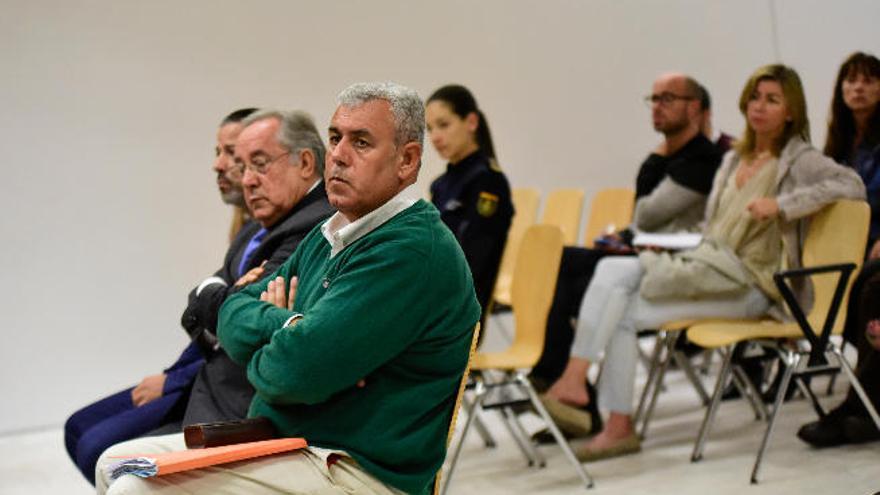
[[771, 181]]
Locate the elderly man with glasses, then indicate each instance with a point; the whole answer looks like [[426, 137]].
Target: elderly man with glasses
[[280, 156]]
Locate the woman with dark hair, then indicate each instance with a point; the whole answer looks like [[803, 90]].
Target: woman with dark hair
[[473, 196], [854, 130], [771, 181], [854, 140]]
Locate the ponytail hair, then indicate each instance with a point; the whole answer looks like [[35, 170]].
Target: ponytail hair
[[462, 103]]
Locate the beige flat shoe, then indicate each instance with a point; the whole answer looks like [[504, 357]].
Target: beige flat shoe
[[570, 419], [626, 446]]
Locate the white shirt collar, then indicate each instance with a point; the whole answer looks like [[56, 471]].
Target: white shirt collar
[[340, 233], [318, 181]]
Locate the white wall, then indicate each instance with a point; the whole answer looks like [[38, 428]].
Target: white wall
[[109, 110]]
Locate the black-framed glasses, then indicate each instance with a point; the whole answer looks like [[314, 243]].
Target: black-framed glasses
[[665, 99], [259, 164]]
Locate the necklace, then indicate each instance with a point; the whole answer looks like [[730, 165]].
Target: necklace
[[758, 159]]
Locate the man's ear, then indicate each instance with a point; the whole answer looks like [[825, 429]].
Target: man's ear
[[410, 160], [306, 163]]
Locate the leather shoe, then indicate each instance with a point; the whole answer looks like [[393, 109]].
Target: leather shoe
[[827, 432], [570, 419], [860, 429]]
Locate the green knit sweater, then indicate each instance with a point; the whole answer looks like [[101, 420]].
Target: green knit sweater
[[395, 308]]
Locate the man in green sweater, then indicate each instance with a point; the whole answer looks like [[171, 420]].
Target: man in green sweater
[[358, 342]]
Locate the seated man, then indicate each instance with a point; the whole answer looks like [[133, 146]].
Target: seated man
[[671, 190], [281, 158], [158, 399], [363, 354]]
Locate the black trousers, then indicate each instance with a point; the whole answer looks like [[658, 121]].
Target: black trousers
[[864, 306], [575, 272]]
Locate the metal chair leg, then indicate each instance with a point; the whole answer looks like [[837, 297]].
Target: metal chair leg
[[707, 361], [470, 409], [669, 342], [831, 382], [516, 430], [566, 449], [488, 439], [713, 406], [791, 361], [854, 383], [685, 364], [748, 390], [652, 375]]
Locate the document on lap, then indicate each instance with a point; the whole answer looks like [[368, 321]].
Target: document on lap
[[173, 462], [673, 242]]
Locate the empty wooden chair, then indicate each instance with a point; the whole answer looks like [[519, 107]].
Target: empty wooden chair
[[563, 209], [525, 204]]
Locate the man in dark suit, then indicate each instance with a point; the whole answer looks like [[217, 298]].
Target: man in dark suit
[[281, 158]]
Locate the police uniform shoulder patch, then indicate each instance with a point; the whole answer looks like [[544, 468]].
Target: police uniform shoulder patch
[[487, 204]]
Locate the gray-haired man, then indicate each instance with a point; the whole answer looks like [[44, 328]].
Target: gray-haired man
[[363, 353], [280, 158]]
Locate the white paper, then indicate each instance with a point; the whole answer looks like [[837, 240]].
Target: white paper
[[678, 240]]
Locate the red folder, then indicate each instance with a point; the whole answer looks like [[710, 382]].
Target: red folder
[[185, 460]]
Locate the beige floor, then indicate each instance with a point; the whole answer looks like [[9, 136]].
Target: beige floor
[[35, 463]]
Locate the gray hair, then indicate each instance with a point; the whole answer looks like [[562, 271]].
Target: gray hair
[[406, 106], [297, 132]]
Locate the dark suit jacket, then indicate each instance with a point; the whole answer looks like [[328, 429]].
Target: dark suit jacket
[[221, 390]]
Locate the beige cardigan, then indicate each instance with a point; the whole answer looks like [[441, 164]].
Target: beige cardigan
[[806, 181]]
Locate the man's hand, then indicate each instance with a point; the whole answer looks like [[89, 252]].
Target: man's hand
[[874, 253], [613, 243], [873, 334], [148, 390], [277, 294], [763, 208], [251, 276]]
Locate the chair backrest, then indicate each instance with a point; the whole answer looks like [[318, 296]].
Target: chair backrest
[[836, 234], [461, 387], [525, 203], [610, 207], [534, 284], [563, 209]]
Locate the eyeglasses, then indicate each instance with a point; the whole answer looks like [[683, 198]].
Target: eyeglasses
[[665, 99], [259, 164]]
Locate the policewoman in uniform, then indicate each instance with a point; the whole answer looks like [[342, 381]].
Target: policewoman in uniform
[[473, 196]]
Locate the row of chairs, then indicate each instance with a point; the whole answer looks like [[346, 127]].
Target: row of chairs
[[563, 209], [829, 263], [526, 282]]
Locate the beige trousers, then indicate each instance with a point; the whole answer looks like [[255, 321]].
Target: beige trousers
[[300, 472]]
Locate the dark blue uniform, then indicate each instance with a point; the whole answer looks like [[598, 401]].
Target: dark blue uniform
[[473, 197]]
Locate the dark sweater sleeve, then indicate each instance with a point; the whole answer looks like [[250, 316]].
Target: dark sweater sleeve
[[695, 167]]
